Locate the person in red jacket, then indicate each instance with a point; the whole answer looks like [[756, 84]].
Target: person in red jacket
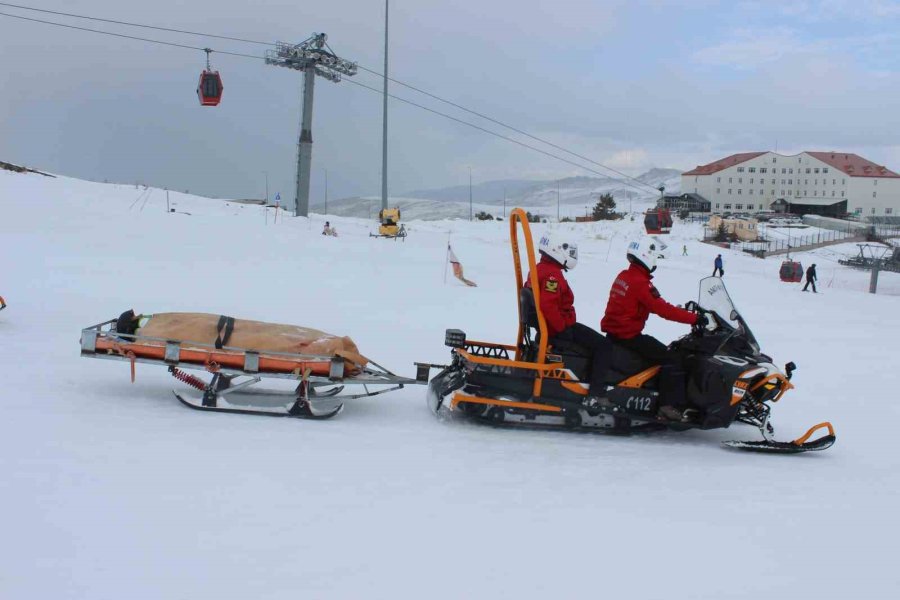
[[631, 300], [558, 308]]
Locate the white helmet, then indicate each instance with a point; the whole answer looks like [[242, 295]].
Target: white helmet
[[643, 251], [565, 253]]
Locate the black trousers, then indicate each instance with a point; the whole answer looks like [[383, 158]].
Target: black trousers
[[810, 282], [672, 379], [718, 270], [600, 349]]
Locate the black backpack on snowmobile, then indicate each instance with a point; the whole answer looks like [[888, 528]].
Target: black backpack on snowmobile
[[541, 382]]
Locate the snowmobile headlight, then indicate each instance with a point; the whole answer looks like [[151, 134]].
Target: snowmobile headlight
[[455, 338]]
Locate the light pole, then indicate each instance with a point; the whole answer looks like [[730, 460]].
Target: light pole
[[504, 203], [557, 200], [470, 193], [325, 211]]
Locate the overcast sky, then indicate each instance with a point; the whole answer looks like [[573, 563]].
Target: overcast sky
[[632, 84]]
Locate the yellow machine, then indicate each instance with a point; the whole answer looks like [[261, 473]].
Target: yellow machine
[[389, 223]]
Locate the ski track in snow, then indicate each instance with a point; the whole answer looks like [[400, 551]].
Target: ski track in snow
[[113, 490]]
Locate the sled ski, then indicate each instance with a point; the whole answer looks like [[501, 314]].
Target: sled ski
[[322, 382]]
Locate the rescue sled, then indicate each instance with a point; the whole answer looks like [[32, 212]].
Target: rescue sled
[[533, 383], [321, 383]]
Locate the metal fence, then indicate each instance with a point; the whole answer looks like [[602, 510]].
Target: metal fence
[[763, 247]]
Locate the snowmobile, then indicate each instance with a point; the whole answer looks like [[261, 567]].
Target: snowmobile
[[542, 383]]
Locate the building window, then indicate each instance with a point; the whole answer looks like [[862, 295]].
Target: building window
[[751, 180], [740, 169], [718, 180], [760, 192], [763, 170], [774, 160], [753, 169], [750, 191], [789, 192], [773, 192], [825, 170], [873, 193], [729, 191], [843, 182], [889, 211], [727, 207], [832, 193], [739, 193], [873, 210], [790, 182], [729, 180], [815, 170], [834, 182], [717, 205], [783, 170], [782, 182], [876, 182], [739, 207], [773, 182], [807, 169], [740, 180], [857, 211], [791, 171], [842, 194], [804, 193]]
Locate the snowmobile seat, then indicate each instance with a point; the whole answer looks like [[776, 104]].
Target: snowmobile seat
[[574, 355], [624, 364]]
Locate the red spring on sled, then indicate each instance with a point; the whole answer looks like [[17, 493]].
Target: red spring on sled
[[191, 380]]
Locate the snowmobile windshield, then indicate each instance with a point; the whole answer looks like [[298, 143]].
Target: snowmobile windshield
[[714, 298]]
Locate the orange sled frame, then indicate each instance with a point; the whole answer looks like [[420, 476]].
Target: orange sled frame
[[320, 379]]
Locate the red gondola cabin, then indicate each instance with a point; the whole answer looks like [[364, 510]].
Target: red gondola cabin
[[791, 271], [209, 90], [658, 220]]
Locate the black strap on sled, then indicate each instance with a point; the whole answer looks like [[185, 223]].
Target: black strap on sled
[[224, 329]]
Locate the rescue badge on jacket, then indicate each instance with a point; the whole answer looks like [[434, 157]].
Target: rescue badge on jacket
[[551, 285]]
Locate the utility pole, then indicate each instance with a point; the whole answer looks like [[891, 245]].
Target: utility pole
[[504, 203], [314, 57], [557, 200], [325, 212], [384, 119], [470, 193]]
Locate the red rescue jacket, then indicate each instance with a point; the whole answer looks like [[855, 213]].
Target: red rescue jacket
[[631, 300], [556, 297]]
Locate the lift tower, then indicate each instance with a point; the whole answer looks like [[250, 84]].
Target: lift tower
[[314, 57]]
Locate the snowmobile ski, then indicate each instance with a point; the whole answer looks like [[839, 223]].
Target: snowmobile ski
[[298, 410], [797, 446]]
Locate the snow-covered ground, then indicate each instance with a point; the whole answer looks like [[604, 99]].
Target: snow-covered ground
[[113, 490]]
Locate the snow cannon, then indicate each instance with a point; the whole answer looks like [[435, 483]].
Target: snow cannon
[[389, 224]]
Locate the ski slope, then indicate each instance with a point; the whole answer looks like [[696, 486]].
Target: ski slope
[[113, 490]]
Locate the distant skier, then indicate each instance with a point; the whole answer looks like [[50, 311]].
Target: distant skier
[[684, 250], [631, 300], [717, 267], [558, 308], [329, 230], [811, 278]]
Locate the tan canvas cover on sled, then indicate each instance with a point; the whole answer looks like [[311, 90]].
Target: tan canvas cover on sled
[[254, 335]]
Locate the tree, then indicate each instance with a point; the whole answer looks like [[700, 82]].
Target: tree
[[484, 216], [605, 209]]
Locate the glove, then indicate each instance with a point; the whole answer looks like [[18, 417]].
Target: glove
[[706, 321]]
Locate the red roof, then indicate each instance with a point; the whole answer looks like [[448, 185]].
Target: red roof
[[853, 164], [729, 161]]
